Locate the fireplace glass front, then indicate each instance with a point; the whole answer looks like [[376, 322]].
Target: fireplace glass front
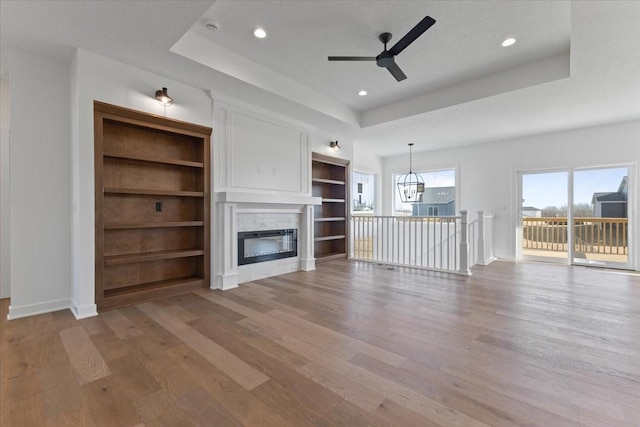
[[260, 246]]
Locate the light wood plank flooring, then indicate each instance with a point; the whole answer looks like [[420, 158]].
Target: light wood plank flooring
[[352, 344]]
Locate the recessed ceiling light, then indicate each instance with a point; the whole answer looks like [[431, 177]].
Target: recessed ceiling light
[[508, 42], [362, 93], [260, 33]]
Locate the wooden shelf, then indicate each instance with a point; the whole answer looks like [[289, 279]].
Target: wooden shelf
[[325, 238], [143, 287], [157, 224], [118, 190], [152, 159], [330, 181], [114, 298], [140, 157], [330, 256], [150, 256], [327, 181], [149, 291]]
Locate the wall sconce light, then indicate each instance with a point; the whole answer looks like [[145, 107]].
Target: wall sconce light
[[163, 97], [334, 145]]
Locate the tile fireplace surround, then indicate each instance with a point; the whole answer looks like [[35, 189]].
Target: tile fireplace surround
[[243, 211]]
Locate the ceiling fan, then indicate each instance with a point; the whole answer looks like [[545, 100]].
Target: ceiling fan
[[387, 58]]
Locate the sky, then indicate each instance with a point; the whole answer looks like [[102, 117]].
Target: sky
[[443, 178], [550, 189]]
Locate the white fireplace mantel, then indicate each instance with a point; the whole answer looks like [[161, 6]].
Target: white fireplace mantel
[[266, 198], [229, 204]]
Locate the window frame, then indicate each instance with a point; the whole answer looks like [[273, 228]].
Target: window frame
[[424, 172], [374, 183]]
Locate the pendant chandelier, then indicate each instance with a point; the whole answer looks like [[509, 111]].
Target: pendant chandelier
[[410, 185]]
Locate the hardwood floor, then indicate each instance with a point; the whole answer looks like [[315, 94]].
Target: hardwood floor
[[353, 344]]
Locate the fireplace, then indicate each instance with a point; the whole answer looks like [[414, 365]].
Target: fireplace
[[260, 246]]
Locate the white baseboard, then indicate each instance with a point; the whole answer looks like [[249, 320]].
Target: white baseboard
[[487, 262], [225, 282], [82, 312], [308, 264], [17, 312]]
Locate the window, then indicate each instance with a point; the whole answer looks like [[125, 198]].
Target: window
[[439, 198], [363, 192]]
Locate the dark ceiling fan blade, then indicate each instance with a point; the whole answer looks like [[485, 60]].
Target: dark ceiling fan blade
[[352, 58], [396, 72], [412, 35]]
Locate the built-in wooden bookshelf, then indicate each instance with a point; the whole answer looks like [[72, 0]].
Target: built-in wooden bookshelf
[[152, 207], [330, 180]]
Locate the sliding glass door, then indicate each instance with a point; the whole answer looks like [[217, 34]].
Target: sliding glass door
[[579, 216], [543, 216], [601, 217]]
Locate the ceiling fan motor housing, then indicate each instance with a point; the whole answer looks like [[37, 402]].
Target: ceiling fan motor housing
[[385, 59]]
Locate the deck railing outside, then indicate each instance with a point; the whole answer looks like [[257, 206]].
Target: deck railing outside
[[590, 235], [436, 243]]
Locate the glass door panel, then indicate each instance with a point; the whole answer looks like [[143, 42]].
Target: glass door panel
[[600, 217], [543, 215]]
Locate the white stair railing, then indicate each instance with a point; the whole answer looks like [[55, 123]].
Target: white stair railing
[[422, 242], [434, 243]]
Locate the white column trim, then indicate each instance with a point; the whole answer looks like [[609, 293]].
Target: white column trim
[[227, 277], [305, 240]]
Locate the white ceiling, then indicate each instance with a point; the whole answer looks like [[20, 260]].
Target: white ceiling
[[462, 87], [463, 44]]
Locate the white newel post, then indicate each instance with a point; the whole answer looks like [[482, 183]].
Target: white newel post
[[305, 240], [481, 246], [485, 255], [464, 244]]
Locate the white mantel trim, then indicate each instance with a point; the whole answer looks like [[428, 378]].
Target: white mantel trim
[[231, 203], [264, 198]]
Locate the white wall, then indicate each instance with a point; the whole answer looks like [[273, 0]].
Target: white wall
[[255, 152], [319, 143], [98, 78], [259, 150], [40, 194], [275, 143], [365, 161], [488, 172], [5, 120]]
